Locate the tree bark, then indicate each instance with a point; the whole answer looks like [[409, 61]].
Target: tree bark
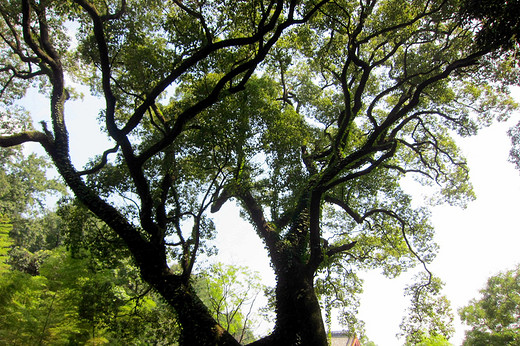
[[298, 314], [299, 319]]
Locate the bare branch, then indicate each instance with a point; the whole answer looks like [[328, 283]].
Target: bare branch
[[103, 162], [332, 251]]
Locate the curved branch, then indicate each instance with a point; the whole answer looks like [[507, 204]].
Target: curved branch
[[246, 69], [334, 250], [360, 219], [103, 162], [47, 55], [263, 228], [390, 148], [405, 24], [117, 14], [199, 17], [403, 232], [398, 113], [193, 60]]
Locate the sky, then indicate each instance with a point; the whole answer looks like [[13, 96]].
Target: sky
[[475, 243]]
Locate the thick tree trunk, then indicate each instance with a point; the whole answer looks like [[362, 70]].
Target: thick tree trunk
[[298, 314], [299, 320]]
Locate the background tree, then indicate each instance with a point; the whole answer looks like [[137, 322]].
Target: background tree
[[434, 340], [80, 296], [24, 189], [494, 317], [429, 319], [24, 185], [50, 295], [231, 293], [69, 302], [307, 113]]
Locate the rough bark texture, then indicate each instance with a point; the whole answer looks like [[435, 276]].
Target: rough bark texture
[[299, 320]]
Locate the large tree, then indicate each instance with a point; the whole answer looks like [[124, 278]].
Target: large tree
[[307, 113]]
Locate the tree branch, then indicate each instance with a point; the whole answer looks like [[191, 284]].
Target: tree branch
[[117, 14], [264, 229], [25, 137], [104, 57], [103, 162], [334, 250]]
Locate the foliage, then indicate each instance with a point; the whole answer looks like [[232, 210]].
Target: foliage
[[435, 340], [53, 296], [231, 293], [514, 134], [5, 242], [429, 319], [307, 113], [369, 343], [499, 25], [114, 300], [494, 317], [24, 185], [31, 313], [68, 302]]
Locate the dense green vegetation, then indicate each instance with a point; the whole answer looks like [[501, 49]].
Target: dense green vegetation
[[66, 279], [307, 113]]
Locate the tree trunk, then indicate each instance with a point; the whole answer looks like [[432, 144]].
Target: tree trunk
[[299, 320], [299, 314]]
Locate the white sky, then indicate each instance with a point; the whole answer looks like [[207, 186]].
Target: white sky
[[475, 243]]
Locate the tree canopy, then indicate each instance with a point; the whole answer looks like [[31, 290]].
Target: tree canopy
[[494, 317], [499, 28], [307, 113]]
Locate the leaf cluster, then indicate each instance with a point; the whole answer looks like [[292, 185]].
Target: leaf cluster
[[494, 316]]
